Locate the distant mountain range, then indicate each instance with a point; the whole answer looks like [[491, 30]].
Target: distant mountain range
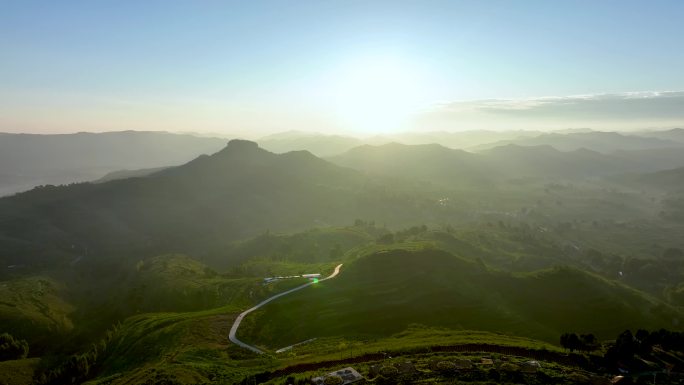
[[441, 165], [671, 181], [564, 140], [317, 144], [605, 142], [330, 145], [675, 135], [28, 160], [425, 162]]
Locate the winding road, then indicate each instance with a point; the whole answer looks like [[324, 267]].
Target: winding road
[[238, 320]]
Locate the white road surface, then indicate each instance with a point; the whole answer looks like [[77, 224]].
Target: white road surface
[[238, 320]]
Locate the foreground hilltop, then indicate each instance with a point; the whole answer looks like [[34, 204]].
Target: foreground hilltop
[[385, 292]]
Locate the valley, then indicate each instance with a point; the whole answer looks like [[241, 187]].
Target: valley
[[479, 252]]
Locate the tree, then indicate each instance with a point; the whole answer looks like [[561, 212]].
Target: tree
[[564, 340], [571, 341], [574, 342], [625, 345], [643, 340], [588, 342]]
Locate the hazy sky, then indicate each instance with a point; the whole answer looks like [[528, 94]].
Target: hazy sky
[[256, 67]]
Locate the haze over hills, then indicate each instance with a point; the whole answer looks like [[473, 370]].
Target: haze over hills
[[242, 190], [669, 181], [326, 145], [675, 134], [442, 165], [231, 194], [427, 162], [318, 144], [463, 139], [329, 145], [28, 160], [605, 142]]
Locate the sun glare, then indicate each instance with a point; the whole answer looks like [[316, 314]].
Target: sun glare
[[376, 95]]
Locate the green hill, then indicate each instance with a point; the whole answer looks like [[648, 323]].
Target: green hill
[[426, 162], [666, 180], [382, 293], [282, 254], [545, 161], [35, 308], [457, 168]]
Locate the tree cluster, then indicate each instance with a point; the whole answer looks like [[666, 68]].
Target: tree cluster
[[582, 342], [11, 348], [627, 345], [78, 367], [629, 350]]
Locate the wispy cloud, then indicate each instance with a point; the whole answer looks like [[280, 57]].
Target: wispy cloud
[[627, 110]]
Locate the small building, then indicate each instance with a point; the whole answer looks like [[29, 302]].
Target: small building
[[348, 375]]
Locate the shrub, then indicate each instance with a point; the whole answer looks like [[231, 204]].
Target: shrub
[[508, 367], [388, 371], [446, 366], [333, 380]]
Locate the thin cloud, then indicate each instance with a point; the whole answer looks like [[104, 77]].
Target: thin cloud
[[628, 110]]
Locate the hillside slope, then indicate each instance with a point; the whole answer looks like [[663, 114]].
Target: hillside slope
[[425, 162], [383, 293], [666, 180]]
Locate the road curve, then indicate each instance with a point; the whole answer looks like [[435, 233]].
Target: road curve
[[238, 320]]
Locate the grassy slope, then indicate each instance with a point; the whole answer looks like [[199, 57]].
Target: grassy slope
[[18, 372], [192, 348], [187, 346], [271, 254], [381, 294], [82, 300], [33, 308]]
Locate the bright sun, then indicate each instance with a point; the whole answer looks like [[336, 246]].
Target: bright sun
[[376, 95]]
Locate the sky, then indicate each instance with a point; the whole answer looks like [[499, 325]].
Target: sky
[[362, 67]]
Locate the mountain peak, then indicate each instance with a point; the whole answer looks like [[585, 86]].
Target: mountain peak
[[242, 144]]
